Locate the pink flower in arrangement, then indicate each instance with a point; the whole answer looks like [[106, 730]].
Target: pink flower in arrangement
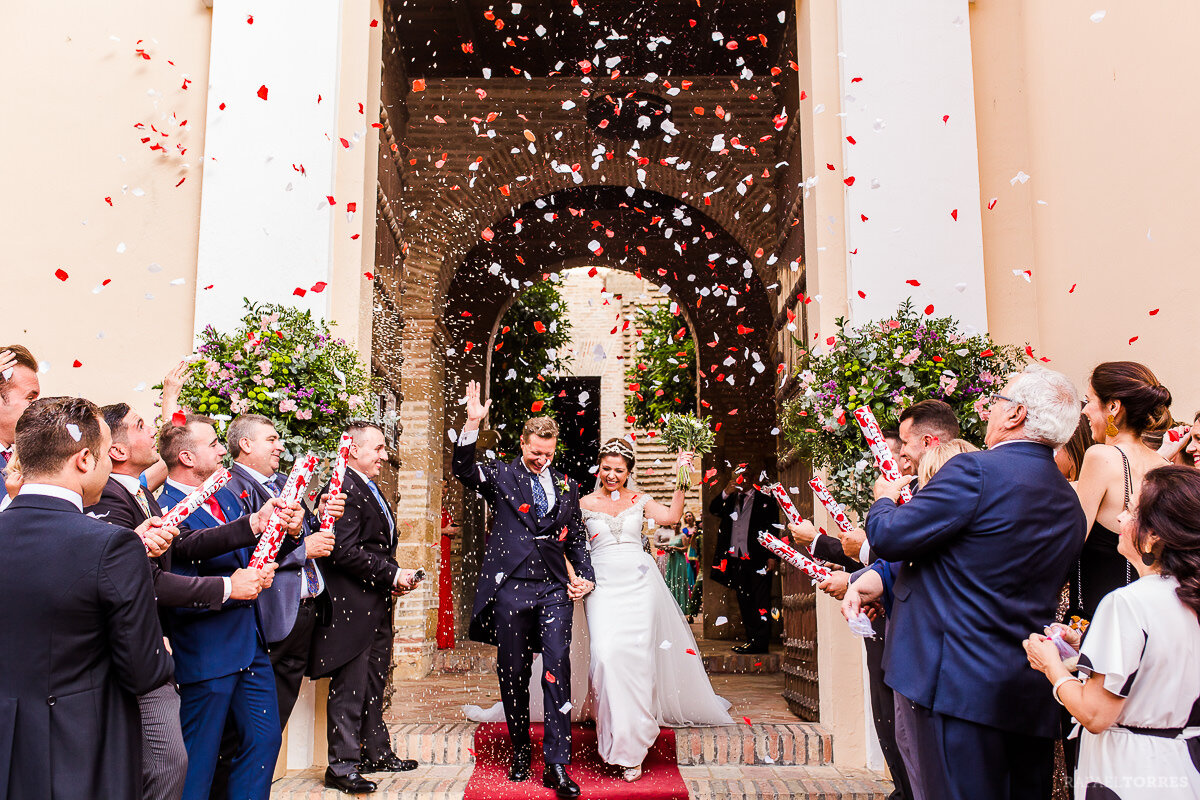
[[304, 413], [948, 384], [912, 356], [981, 409], [240, 405], [893, 324], [355, 401], [265, 366], [286, 405]]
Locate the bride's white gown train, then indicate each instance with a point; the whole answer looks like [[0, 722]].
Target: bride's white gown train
[[644, 668]]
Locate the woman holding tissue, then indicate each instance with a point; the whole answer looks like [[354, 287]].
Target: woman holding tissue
[[1138, 696]]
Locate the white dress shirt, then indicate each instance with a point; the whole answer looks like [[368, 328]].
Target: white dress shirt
[[50, 490]]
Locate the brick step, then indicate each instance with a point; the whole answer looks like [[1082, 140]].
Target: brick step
[[784, 783], [465, 657], [726, 663], [448, 782]]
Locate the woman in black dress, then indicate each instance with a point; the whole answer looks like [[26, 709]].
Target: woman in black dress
[[1124, 400]]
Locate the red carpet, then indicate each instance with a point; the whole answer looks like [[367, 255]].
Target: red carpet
[[489, 781]]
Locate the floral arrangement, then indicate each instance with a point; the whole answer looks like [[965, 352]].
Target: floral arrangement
[[888, 365], [686, 432], [286, 365]]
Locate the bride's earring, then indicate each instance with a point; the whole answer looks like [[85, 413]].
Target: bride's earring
[[1110, 430], [1148, 559]]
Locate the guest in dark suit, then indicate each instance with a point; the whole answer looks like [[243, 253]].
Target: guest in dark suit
[[81, 637], [288, 606], [525, 596], [352, 644], [739, 561], [986, 546], [125, 502], [221, 659], [19, 387]]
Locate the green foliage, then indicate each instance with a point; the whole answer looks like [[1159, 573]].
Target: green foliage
[[529, 352], [889, 365], [687, 433], [286, 365], [662, 375]]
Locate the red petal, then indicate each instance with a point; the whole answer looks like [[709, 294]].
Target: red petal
[[550, 677], [849, 181], [690, 652], [299, 292], [537, 406], [1072, 289], [1131, 341], [262, 92], [374, 23], [524, 509], [61, 274], [1153, 312], [954, 215], [538, 326], [79, 363], [332, 202], [987, 353], [318, 287], [418, 85], [929, 309], [913, 282], [178, 418]]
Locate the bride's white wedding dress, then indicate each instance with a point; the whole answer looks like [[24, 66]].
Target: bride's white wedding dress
[[644, 669]]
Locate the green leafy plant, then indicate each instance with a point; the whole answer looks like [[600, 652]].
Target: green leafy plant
[[686, 432], [529, 352], [661, 377], [888, 365], [284, 364]]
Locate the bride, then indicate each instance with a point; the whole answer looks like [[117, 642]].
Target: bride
[[644, 670]]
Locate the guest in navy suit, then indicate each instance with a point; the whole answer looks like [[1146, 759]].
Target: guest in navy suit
[[525, 596], [18, 388], [288, 605], [81, 640], [986, 546], [221, 660], [352, 643]]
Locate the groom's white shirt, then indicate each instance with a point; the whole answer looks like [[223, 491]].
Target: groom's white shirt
[[544, 477]]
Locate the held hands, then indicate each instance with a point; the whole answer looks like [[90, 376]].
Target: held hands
[[890, 489], [852, 542], [291, 514], [805, 533], [334, 506], [319, 544], [836, 585], [155, 537], [476, 410], [579, 587], [247, 582]]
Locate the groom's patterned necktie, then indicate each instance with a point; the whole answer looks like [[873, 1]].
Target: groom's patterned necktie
[[539, 496]]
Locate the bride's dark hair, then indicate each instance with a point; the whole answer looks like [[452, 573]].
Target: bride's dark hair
[[617, 446]]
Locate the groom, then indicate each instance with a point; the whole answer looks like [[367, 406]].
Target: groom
[[525, 597]]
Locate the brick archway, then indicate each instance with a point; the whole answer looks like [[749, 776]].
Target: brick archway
[[703, 268]]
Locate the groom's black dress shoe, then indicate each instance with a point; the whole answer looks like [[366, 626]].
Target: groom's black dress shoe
[[389, 763], [747, 649], [555, 777], [519, 770], [350, 784]]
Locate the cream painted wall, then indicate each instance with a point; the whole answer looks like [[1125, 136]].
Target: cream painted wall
[[73, 90], [1102, 118]]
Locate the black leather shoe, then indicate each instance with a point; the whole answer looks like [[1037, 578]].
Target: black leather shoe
[[350, 784], [747, 649], [389, 763], [555, 777], [519, 770]]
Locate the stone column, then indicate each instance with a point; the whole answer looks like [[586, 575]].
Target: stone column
[[420, 449]]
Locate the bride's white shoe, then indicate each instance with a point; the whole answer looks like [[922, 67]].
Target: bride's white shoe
[[631, 774]]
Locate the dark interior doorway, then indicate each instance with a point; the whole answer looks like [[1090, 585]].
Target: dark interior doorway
[[577, 411]]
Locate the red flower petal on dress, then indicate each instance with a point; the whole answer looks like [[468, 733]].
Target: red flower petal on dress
[[690, 652]]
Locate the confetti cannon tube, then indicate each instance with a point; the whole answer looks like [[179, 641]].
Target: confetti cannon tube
[[268, 544], [879, 448], [199, 495], [335, 482], [789, 509], [836, 512], [811, 568]]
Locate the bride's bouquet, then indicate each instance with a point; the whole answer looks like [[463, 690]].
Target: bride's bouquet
[[686, 432]]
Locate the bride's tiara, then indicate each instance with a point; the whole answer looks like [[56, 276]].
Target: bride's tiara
[[617, 447]]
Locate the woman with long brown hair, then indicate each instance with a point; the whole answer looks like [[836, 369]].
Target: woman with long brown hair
[[1137, 698], [1124, 400]]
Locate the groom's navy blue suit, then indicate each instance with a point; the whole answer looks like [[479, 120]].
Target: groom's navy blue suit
[[985, 547], [521, 604]]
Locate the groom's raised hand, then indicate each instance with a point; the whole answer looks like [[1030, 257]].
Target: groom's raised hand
[[476, 410]]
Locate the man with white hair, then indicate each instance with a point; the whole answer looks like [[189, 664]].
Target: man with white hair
[[986, 546]]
